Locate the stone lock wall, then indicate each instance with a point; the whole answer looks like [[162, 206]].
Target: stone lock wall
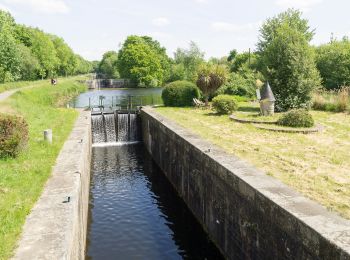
[[247, 214]]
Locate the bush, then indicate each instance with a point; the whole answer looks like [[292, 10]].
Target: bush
[[13, 135], [224, 104], [240, 84], [296, 118], [180, 94]]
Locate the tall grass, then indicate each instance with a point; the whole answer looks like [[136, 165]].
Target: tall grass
[[333, 101], [22, 178]]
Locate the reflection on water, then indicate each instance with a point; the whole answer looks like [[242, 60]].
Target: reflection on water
[[141, 96], [134, 212]]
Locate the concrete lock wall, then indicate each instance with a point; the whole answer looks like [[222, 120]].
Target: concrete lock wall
[[56, 227], [248, 214]]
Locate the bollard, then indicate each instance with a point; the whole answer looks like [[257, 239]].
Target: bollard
[[48, 135]]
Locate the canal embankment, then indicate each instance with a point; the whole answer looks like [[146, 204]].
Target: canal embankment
[[56, 226], [248, 214]]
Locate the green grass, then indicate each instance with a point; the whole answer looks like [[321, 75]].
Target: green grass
[[317, 165], [22, 179], [37, 83]]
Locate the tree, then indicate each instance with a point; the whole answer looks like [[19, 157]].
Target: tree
[[10, 59], [66, 57], [232, 55], [210, 78], [44, 50], [29, 64], [290, 68], [333, 62], [141, 61], [191, 59], [108, 65], [245, 60], [292, 18]]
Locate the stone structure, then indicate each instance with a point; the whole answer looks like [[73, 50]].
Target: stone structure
[[267, 100], [56, 227], [248, 214]]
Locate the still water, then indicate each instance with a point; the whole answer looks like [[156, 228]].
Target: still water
[[140, 96], [134, 212]]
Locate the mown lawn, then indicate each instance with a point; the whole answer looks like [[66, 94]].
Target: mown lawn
[[22, 179], [317, 165]]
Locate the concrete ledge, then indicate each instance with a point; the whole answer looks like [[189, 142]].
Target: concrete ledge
[[248, 214], [56, 226]]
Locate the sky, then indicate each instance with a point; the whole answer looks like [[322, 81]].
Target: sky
[[92, 27]]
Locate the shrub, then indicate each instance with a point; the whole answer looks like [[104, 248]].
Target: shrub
[[180, 93], [13, 135], [296, 118], [240, 84], [224, 104]]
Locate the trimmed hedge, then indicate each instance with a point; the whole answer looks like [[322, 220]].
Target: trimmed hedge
[[13, 135], [180, 94], [224, 104], [296, 118]]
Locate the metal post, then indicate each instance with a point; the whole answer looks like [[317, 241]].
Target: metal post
[[89, 102]]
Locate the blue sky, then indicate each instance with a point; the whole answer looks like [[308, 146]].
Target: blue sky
[[92, 27]]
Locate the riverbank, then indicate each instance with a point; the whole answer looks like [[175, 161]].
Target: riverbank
[[316, 165], [22, 179]]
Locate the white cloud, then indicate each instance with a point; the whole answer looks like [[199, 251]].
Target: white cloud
[[201, 1], [304, 5], [231, 27], [160, 21], [43, 6]]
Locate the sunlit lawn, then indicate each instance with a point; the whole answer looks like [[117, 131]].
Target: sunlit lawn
[[317, 165]]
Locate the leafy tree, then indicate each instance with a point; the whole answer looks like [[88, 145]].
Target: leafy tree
[[191, 59], [210, 78], [333, 62], [30, 66], [108, 65], [177, 72], [232, 55], [67, 60], [245, 60], [141, 61], [292, 18], [83, 66], [44, 50], [290, 68], [9, 49]]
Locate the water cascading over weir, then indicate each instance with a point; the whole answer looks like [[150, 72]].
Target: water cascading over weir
[[115, 127]]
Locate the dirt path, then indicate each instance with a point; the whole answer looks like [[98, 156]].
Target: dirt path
[[6, 94]]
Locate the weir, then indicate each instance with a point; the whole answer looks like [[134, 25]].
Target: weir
[[115, 127]]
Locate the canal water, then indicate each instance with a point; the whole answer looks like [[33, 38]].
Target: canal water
[[134, 212], [113, 97]]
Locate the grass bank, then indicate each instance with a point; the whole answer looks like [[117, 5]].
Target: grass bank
[[22, 179], [38, 83], [316, 165]]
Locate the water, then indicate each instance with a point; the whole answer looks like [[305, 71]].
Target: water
[[113, 128], [134, 213], [141, 96]]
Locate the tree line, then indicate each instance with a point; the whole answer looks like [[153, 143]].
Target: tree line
[[28, 53], [283, 56]]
